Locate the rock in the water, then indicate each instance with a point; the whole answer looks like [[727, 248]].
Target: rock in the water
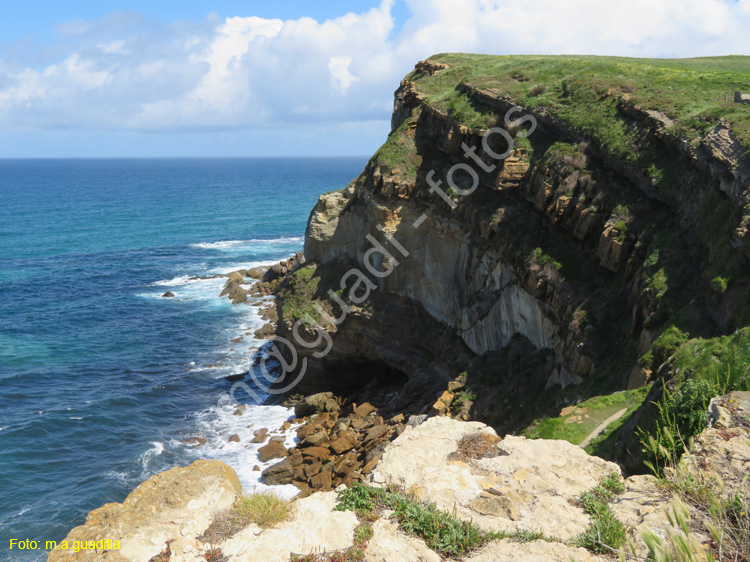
[[168, 294], [274, 450], [195, 441], [260, 435], [234, 438], [257, 272], [180, 502]]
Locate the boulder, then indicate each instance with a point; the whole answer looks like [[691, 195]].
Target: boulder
[[313, 404], [343, 444], [234, 438], [257, 272], [266, 332], [316, 453], [321, 480], [177, 503], [274, 450], [363, 410], [279, 473], [194, 441], [168, 295], [260, 435]]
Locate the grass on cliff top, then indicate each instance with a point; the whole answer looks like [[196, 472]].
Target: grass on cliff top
[[264, 509], [584, 91]]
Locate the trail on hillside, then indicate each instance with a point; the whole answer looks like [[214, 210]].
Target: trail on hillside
[[602, 426]]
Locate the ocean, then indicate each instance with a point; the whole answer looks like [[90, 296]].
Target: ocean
[[102, 379]]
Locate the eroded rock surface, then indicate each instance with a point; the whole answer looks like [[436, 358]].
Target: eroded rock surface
[[529, 486]]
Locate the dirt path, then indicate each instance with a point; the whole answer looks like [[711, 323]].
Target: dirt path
[[602, 426]]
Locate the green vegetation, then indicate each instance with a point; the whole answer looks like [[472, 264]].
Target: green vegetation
[[581, 420], [543, 259], [681, 545], [585, 92], [722, 514], [719, 284], [264, 509], [705, 368], [399, 152], [606, 533], [442, 532]]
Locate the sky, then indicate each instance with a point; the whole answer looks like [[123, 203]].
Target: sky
[[101, 78]]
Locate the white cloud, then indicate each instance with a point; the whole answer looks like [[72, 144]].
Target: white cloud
[[246, 72], [342, 78]]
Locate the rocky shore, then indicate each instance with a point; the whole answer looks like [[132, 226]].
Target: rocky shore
[[528, 492]]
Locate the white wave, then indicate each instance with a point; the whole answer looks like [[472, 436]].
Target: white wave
[[222, 244], [218, 245], [179, 280], [219, 422], [6, 427], [75, 418]]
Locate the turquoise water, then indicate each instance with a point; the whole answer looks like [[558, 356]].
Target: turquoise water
[[100, 378]]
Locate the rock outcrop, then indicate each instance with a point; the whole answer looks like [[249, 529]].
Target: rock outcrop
[[179, 503]]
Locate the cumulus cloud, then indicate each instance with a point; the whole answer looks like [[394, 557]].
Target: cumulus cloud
[[251, 72]]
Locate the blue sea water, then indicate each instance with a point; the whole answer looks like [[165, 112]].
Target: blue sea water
[[101, 379]]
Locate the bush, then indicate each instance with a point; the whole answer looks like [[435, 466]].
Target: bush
[[719, 284], [264, 509]]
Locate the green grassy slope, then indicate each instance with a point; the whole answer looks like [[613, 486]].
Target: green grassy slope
[[584, 90]]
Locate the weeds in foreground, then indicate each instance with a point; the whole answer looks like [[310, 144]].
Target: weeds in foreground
[[442, 532], [682, 410], [724, 514], [606, 533]]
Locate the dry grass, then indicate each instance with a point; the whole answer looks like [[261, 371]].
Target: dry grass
[[722, 511], [264, 509], [476, 446]]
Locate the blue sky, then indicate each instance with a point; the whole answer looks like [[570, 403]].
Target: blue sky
[[249, 78]]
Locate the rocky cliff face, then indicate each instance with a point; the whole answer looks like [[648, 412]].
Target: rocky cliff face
[[569, 257]]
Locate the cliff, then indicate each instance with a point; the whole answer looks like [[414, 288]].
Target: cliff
[[554, 227]]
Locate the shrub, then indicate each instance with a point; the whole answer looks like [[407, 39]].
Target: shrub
[[719, 284], [537, 90], [264, 509]]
